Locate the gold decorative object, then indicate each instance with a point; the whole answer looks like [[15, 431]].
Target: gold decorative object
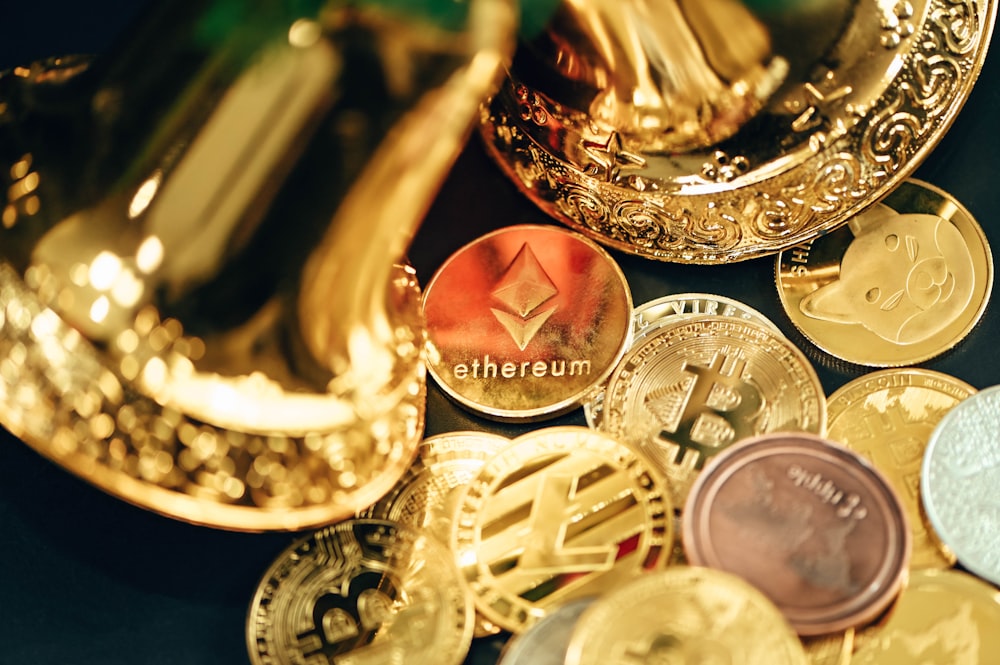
[[202, 307], [699, 131]]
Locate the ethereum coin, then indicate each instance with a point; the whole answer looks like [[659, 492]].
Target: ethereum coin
[[561, 513], [902, 282], [942, 616], [810, 523], [361, 591], [687, 390], [684, 615], [647, 316], [888, 417], [524, 322], [959, 479]]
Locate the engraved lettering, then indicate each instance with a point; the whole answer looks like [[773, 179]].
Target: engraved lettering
[[800, 253], [508, 370], [539, 368], [847, 504], [493, 369], [461, 371]]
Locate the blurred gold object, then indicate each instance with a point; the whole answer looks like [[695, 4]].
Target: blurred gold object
[[203, 308], [699, 131]]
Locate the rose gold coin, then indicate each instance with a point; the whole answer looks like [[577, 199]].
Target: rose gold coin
[[525, 322], [810, 523]]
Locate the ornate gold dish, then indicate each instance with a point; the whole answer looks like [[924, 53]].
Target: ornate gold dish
[[796, 120], [202, 307]]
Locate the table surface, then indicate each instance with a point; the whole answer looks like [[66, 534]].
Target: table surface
[[90, 579]]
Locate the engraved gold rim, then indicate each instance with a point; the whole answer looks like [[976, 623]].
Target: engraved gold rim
[[871, 120]]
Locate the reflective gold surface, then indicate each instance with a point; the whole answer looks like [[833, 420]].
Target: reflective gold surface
[[903, 282], [191, 323], [684, 615], [561, 513], [689, 389], [888, 417], [592, 125], [943, 616], [362, 591]]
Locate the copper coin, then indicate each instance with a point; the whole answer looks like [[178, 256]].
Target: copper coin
[[524, 322], [810, 523]]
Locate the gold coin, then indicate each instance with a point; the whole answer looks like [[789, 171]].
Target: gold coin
[[561, 513], [427, 495], [361, 591], [647, 316], [944, 617], [888, 417], [902, 282], [832, 649], [684, 615], [688, 390], [525, 321]]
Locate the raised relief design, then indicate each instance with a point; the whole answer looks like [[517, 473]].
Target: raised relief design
[[714, 407], [665, 649], [904, 278], [523, 290], [953, 639]]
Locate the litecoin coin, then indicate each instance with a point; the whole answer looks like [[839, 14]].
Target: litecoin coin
[[362, 591], [684, 615], [888, 416], [524, 322], [687, 390], [959, 479], [811, 524], [561, 513], [902, 282]]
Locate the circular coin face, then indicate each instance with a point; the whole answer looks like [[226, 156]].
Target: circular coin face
[[647, 316], [959, 477], [902, 282], [811, 524], [524, 322], [361, 591], [942, 616], [561, 513], [687, 390], [684, 615], [888, 416], [545, 642]]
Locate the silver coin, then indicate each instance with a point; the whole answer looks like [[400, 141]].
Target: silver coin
[[649, 315], [546, 642], [959, 477]]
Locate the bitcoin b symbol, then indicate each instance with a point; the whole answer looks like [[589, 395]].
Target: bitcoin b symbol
[[714, 409]]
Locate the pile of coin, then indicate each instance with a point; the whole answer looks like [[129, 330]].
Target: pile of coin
[[718, 507]]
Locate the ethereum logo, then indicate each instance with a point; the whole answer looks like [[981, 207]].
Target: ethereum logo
[[523, 288]]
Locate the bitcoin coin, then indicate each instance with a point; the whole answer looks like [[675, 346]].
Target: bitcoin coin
[[525, 321], [888, 417], [687, 390], [648, 315], [684, 614], [561, 513], [942, 616], [810, 523], [902, 282], [545, 642], [361, 592], [959, 479]]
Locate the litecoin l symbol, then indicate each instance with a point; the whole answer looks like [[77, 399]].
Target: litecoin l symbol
[[524, 288], [719, 408], [545, 549]]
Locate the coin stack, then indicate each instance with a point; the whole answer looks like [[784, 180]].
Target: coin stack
[[717, 507]]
